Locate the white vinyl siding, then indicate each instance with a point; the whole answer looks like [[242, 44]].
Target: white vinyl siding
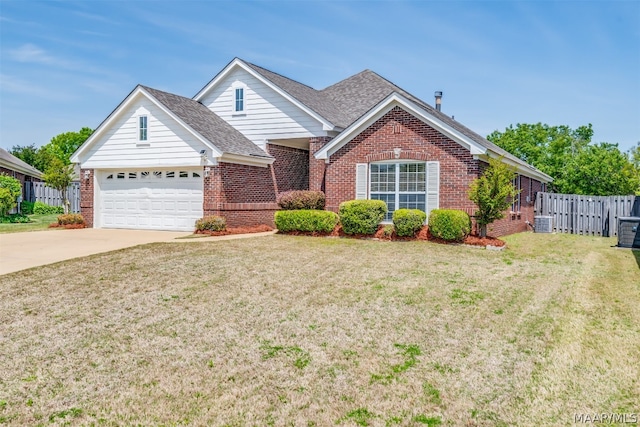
[[404, 185], [119, 146], [268, 114]]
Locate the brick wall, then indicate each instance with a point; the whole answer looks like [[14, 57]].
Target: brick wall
[[417, 141], [243, 195], [291, 167], [317, 167], [86, 197]]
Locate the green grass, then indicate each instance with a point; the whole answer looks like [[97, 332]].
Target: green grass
[[38, 223], [284, 330]]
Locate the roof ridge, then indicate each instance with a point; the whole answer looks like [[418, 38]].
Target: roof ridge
[[278, 74]]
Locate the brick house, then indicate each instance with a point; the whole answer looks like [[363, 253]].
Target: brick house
[[12, 166], [160, 161]]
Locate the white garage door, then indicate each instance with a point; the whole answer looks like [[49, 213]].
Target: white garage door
[[151, 199]]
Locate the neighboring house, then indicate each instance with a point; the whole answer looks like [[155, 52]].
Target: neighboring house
[[13, 166], [160, 161]]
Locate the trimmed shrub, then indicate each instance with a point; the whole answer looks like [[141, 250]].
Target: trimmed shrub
[[316, 221], [408, 222], [10, 189], [449, 224], [211, 223], [301, 199], [361, 216], [27, 207], [40, 208], [69, 219], [16, 218]]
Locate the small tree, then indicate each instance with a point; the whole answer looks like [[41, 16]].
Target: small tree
[[59, 176], [10, 189], [493, 192]]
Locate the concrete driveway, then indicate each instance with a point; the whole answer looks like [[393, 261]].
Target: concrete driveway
[[19, 251]]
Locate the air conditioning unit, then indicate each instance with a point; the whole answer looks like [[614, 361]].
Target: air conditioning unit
[[543, 224], [629, 232]]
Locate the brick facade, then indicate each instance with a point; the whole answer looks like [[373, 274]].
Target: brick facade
[[243, 195], [415, 140], [290, 168], [86, 196], [317, 167]]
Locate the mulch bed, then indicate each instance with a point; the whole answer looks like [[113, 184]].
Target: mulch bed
[[66, 226], [382, 234], [237, 230]]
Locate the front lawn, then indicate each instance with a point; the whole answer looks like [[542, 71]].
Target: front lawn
[[285, 330], [38, 222]]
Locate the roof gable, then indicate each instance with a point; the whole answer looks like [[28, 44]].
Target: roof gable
[[450, 128], [195, 118], [382, 108], [302, 96]]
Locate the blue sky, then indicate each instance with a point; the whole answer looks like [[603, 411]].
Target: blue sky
[[67, 64]]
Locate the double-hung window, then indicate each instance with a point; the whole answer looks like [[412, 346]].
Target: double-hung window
[[142, 128], [399, 185]]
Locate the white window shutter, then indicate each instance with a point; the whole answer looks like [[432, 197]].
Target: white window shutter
[[433, 186], [361, 180]]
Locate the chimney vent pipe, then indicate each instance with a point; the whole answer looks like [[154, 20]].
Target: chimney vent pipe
[[438, 95]]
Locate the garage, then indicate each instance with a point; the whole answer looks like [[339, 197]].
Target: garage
[[162, 199]]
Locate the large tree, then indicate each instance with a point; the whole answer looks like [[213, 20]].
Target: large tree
[[568, 156], [601, 170], [60, 147]]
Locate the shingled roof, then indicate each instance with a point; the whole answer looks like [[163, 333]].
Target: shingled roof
[[307, 95], [208, 124], [9, 161], [357, 94], [346, 101]]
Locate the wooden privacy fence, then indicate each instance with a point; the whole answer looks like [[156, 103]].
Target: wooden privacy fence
[[40, 192], [589, 215]]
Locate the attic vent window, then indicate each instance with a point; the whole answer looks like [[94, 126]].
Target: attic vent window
[[142, 128], [239, 100]]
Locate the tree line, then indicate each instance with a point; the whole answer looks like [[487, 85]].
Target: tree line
[[576, 164]]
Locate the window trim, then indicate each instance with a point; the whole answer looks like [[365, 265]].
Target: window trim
[[397, 192], [239, 86], [140, 128]]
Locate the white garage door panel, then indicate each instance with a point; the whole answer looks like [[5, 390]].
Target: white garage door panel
[[155, 200]]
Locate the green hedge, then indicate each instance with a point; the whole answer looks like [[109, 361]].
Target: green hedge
[[361, 216], [306, 220], [211, 223], [40, 208], [27, 207], [408, 222], [449, 224], [301, 199]]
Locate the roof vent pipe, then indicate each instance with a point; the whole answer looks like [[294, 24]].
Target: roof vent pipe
[[438, 95]]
